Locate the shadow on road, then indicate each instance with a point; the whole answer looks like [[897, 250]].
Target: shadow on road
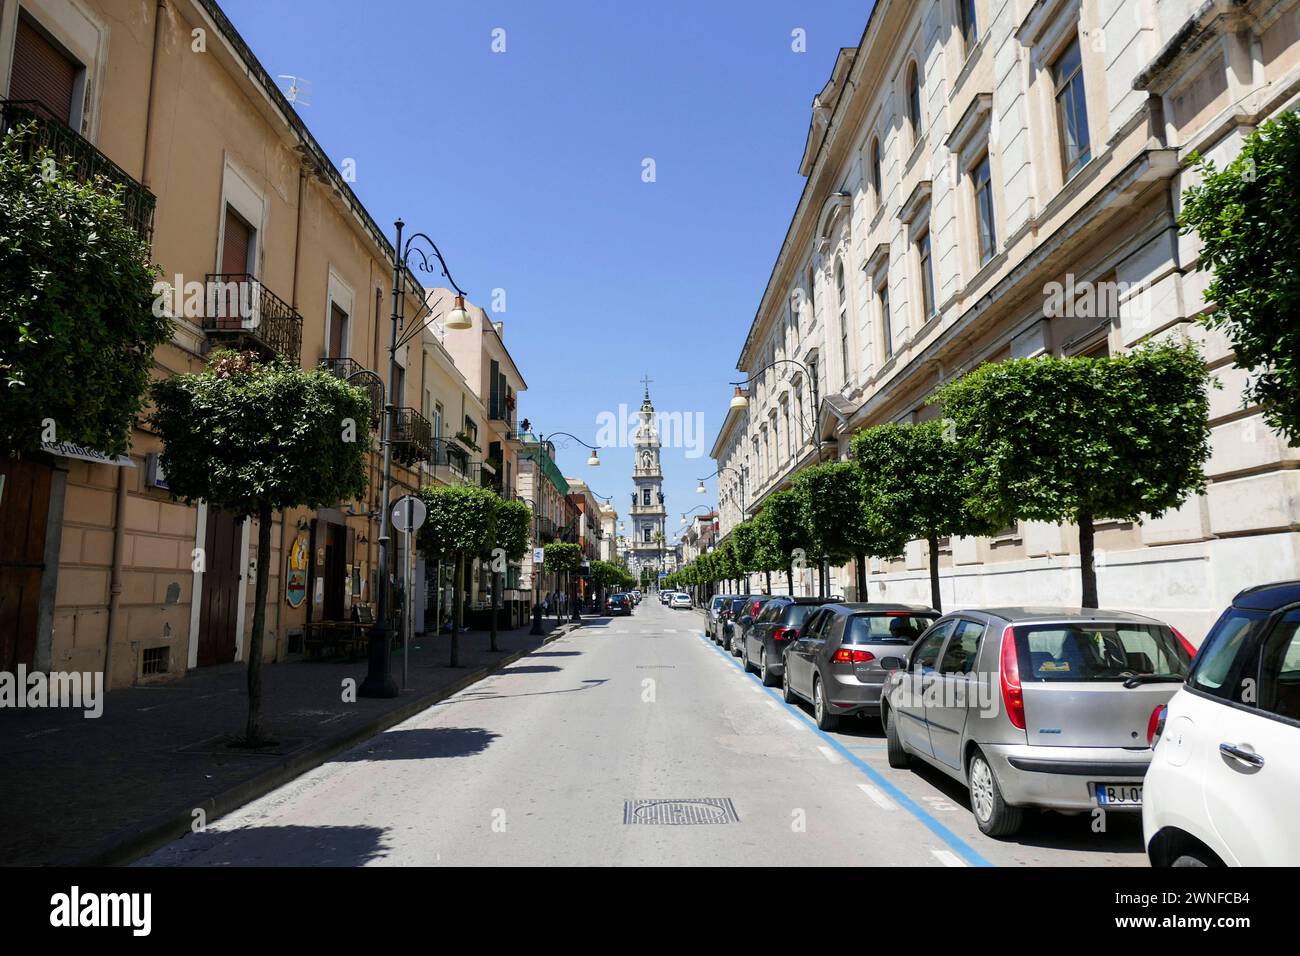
[[536, 669], [279, 846], [555, 654], [423, 744]]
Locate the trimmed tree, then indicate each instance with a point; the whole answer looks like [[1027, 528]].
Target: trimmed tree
[[461, 525], [77, 323], [563, 557], [744, 540], [1245, 216], [252, 438], [514, 520], [1078, 439], [782, 536], [913, 484]]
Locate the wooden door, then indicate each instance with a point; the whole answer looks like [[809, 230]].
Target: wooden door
[[335, 572], [24, 503], [219, 607]]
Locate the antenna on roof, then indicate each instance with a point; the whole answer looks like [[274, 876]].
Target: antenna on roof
[[296, 89]]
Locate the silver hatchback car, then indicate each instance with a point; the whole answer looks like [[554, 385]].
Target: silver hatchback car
[[1047, 708]]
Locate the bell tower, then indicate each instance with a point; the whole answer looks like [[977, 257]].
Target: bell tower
[[648, 512]]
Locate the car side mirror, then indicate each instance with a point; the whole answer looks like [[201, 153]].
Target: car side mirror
[[893, 663]]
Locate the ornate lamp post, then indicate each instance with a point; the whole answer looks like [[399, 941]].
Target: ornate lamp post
[[379, 680]]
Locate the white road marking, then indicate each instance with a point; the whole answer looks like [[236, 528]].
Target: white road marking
[[773, 705], [830, 755], [877, 797], [947, 859], [794, 723]]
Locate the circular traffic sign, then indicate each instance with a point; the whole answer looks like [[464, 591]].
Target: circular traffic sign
[[409, 513]]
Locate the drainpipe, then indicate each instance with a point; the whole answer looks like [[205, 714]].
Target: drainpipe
[[148, 103], [115, 576]]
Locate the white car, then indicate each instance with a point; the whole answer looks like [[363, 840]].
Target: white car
[[1223, 780], [680, 599]]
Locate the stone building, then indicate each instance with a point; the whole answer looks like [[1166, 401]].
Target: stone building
[[647, 515]]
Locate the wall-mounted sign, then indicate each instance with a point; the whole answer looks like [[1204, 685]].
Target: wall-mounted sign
[[154, 477], [296, 587], [539, 555], [67, 449]]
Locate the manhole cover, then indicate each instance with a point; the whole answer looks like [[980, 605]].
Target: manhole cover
[[680, 812]]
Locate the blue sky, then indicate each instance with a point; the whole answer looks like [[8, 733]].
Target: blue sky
[[526, 168]]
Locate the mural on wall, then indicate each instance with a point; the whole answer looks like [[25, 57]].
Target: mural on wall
[[296, 587]]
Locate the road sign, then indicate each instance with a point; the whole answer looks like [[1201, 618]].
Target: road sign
[[539, 555], [409, 513]]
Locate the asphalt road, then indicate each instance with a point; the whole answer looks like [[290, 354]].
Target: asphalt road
[[544, 764]]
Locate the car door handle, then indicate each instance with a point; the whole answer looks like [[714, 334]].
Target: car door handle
[[1246, 756]]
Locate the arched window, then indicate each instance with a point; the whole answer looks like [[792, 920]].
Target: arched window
[[875, 168], [914, 100], [843, 299]]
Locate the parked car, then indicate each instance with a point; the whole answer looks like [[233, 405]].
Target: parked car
[[727, 622], [618, 604], [765, 641], [635, 594], [834, 662], [712, 623], [1047, 708], [680, 599], [1226, 762], [665, 596], [750, 608]]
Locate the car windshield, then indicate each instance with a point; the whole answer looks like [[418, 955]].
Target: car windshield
[[1090, 651], [884, 628]]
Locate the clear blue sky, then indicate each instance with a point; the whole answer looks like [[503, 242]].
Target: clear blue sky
[[526, 168]]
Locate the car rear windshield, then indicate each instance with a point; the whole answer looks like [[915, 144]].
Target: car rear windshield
[[870, 628], [1092, 651], [737, 604]]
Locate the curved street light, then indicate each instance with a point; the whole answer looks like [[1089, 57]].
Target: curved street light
[[740, 401]]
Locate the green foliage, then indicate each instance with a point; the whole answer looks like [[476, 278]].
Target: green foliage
[[838, 524], [1246, 216], [562, 556], [244, 435], [77, 326], [780, 532], [1052, 439], [514, 521], [744, 539], [462, 521], [914, 476]]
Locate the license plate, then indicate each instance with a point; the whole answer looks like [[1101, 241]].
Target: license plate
[[1118, 794]]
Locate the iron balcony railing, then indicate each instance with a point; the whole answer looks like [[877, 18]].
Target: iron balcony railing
[[412, 437], [354, 373], [81, 157], [449, 460], [239, 310]]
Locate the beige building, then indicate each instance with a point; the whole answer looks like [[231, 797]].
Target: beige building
[[247, 202], [997, 178]]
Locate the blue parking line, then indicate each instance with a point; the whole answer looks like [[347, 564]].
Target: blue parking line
[[967, 852]]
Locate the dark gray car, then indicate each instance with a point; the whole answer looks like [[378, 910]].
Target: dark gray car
[[834, 664], [763, 648]]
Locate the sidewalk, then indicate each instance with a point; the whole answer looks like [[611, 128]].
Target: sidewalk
[[105, 791]]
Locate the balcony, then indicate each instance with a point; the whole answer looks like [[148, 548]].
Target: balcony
[[354, 373], [83, 160], [241, 313], [412, 437], [450, 462]]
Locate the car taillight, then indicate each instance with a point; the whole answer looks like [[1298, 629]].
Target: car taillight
[[1013, 697], [847, 656], [1187, 645], [783, 633], [1156, 724]]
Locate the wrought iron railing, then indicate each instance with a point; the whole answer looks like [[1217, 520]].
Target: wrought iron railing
[[449, 460], [412, 437], [354, 373], [239, 309], [82, 158]]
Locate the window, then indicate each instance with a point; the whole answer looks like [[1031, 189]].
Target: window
[[966, 23], [1090, 652], [901, 629], [645, 497], [981, 180], [926, 265], [876, 180], [812, 294], [1221, 666], [886, 323], [437, 419], [962, 650], [236, 244], [1279, 670], [785, 427], [842, 295], [338, 342], [1071, 110], [914, 101], [44, 72], [926, 653], [471, 426]]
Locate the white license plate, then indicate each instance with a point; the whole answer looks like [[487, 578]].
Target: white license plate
[[1118, 794]]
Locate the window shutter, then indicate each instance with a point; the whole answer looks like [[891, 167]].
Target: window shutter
[[338, 332], [234, 248], [42, 72]]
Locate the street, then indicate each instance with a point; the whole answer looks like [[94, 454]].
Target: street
[[543, 763]]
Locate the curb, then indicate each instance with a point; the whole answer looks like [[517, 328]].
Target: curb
[[124, 847]]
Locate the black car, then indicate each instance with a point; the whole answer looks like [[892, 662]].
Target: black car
[[618, 604], [835, 663], [736, 618], [764, 642]]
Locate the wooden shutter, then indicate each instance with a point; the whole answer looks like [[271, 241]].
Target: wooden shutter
[[338, 332], [42, 72], [237, 238]]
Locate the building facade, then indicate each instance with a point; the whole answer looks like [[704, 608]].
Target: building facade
[[988, 179]]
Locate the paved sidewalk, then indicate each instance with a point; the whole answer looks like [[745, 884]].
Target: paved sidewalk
[[103, 791]]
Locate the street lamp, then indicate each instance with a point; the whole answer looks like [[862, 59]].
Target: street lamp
[[379, 679]]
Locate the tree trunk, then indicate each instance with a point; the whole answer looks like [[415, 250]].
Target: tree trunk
[[496, 589], [253, 732], [821, 579], [860, 563], [1086, 566], [767, 576], [458, 608], [935, 600], [789, 581]]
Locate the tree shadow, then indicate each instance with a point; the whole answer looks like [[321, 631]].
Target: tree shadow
[[428, 743], [276, 846], [536, 669], [555, 654]]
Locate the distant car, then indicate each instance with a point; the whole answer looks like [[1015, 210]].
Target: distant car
[[712, 625], [635, 594], [618, 604], [1226, 765], [665, 596], [1048, 708], [834, 662], [681, 599], [765, 640]]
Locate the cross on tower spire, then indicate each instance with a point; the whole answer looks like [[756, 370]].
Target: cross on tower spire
[[646, 382]]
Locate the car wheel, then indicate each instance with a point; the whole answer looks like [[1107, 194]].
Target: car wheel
[[992, 814], [821, 710], [787, 693], [895, 752], [1187, 859], [769, 679]]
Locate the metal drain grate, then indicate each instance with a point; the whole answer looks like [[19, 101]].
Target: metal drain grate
[[680, 812]]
